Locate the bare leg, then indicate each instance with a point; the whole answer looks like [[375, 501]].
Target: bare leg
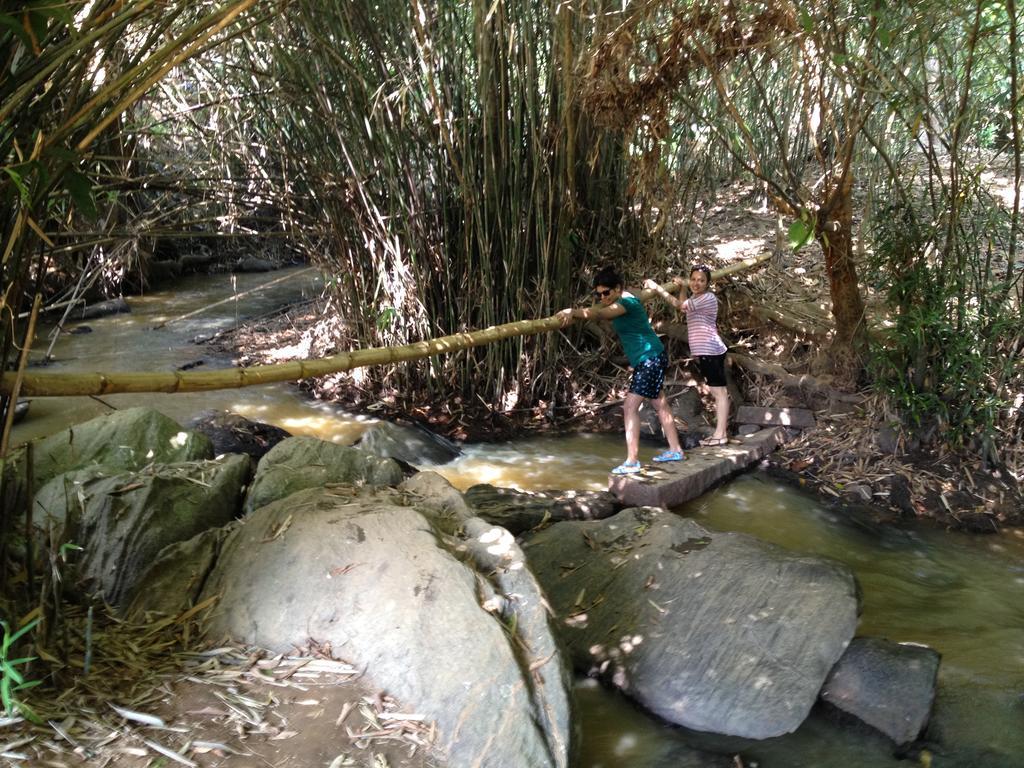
[[668, 422], [631, 416], [721, 411]]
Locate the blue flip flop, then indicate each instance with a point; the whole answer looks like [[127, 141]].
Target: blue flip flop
[[669, 456], [627, 468]]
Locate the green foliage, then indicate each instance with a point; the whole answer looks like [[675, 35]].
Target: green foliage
[[939, 361], [12, 680], [801, 231]]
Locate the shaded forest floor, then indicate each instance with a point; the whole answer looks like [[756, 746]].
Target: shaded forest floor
[[777, 315]]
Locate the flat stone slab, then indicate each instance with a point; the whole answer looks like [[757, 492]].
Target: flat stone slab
[[799, 418], [676, 482]]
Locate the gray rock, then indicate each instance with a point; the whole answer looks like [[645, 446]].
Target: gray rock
[[123, 520], [716, 632], [747, 429], [889, 686], [685, 408], [438, 500], [254, 264], [162, 272], [175, 579], [20, 411], [306, 462], [122, 440], [799, 418], [456, 629], [688, 405], [520, 511], [413, 444], [200, 261], [101, 309], [888, 439], [231, 433]]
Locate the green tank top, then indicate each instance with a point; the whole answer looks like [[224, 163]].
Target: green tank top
[[635, 332]]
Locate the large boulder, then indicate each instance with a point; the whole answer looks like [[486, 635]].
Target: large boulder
[[412, 444], [520, 511], [717, 632], [306, 462], [122, 520], [174, 580], [123, 440], [455, 627], [437, 499], [889, 686]]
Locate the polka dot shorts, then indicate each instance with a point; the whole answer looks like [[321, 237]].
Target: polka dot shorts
[[649, 376]]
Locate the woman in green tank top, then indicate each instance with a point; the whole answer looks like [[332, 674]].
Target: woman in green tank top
[[647, 359]]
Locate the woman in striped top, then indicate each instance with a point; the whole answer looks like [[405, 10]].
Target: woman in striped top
[[705, 344]]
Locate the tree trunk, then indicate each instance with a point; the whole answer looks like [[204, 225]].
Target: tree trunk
[[834, 232]]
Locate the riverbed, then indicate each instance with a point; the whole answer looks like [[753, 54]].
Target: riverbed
[[962, 595]]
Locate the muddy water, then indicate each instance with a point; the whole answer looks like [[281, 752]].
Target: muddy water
[[962, 595]]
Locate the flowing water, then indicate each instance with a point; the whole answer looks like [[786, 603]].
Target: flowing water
[[962, 595]]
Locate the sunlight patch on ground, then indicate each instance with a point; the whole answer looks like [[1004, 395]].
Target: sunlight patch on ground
[[733, 250], [1000, 187], [300, 351]]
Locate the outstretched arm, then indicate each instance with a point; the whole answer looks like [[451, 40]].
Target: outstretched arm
[[675, 302], [596, 312]]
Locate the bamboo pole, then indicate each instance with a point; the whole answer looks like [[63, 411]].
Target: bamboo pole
[[95, 383]]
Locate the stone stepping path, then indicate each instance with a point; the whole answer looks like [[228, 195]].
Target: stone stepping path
[[674, 483]]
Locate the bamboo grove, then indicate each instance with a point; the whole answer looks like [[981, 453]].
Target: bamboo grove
[[458, 165]]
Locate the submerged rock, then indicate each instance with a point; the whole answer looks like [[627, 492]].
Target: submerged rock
[[101, 309], [889, 686], [231, 433], [456, 628], [20, 411], [713, 631], [254, 264], [413, 444]]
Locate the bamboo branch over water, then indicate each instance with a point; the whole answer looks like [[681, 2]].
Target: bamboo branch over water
[[95, 383]]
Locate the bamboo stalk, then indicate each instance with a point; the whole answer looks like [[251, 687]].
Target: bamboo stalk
[[17, 377], [73, 384], [94, 383]]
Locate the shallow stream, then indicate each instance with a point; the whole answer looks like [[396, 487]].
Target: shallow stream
[[962, 595]]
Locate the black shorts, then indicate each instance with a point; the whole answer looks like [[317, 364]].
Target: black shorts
[[712, 368], [648, 377]]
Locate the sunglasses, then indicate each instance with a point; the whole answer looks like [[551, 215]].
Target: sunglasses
[[602, 294]]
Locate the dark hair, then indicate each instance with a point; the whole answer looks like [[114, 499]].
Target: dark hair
[[702, 268], [608, 276]]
